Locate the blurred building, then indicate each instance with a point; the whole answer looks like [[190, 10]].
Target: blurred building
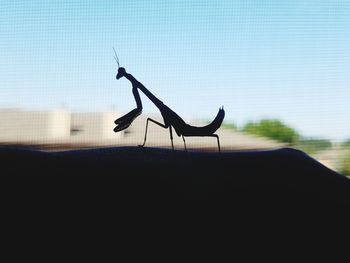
[[20, 126], [93, 126], [62, 129]]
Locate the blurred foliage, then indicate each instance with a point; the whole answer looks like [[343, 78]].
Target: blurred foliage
[[272, 129], [345, 164], [311, 145], [279, 131], [346, 144], [230, 125]]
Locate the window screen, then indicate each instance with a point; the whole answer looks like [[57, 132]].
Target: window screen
[[280, 69]]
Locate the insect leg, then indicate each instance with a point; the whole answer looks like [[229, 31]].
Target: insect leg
[[183, 138], [158, 123], [217, 137], [171, 137]]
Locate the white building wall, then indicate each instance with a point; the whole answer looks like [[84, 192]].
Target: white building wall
[[93, 126], [25, 126], [59, 124], [108, 125]]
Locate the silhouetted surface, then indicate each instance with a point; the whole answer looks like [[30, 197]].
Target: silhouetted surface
[[175, 193], [151, 173]]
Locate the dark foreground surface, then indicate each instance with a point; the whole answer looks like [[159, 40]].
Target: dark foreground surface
[[273, 191]]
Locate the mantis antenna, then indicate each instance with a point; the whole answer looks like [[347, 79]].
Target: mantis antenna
[[116, 57]]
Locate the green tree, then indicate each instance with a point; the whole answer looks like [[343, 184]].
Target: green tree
[[312, 145], [229, 125], [272, 129], [347, 144], [345, 165]]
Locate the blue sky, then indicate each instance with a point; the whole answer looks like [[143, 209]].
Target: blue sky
[[260, 59]]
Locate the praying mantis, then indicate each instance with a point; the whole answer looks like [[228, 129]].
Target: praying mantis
[[171, 119]]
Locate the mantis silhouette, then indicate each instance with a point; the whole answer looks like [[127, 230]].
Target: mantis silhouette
[[171, 119]]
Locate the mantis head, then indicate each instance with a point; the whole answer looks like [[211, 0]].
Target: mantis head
[[121, 70]]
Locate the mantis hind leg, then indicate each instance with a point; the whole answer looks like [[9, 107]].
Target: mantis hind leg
[[171, 137], [183, 138], [158, 123], [217, 138], [212, 135]]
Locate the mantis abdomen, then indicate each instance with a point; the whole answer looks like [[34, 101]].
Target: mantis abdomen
[[182, 128]]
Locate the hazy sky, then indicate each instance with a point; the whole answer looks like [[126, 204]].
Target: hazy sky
[[276, 59]]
